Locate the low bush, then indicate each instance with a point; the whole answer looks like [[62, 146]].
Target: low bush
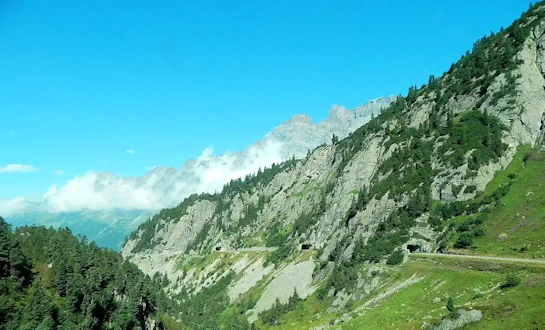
[[510, 281], [395, 258]]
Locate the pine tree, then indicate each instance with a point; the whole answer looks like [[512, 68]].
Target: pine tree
[[4, 248], [60, 276], [40, 306], [293, 300], [323, 204], [450, 305]]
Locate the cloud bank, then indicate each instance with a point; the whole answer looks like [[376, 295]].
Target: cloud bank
[[165, 186], [13, 206], [161, 187], [16, 168]]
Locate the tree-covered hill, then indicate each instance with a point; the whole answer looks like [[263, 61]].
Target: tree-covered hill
[[50, 279]]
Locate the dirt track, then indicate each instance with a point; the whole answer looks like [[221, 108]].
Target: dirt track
[[537, 261]]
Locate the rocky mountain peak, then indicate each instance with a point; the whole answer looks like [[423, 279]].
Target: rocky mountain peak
[[338, 112], [300, 119]]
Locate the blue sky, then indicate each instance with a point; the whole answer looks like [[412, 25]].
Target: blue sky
[[83, 82]]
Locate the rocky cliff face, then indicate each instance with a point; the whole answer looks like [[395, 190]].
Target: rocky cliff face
[[108, 208], [361, 198]]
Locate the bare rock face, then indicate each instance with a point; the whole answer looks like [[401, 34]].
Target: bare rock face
[[528, 126], [464, 318], [294, 277], [252, 274], [299, 134], [538, 34]]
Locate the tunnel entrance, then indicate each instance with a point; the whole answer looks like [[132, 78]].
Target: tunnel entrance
[[218, 248], [413, 248], [306, 246]]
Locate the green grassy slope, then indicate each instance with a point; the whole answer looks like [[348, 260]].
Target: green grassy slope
[[515, 226], [471, 284]]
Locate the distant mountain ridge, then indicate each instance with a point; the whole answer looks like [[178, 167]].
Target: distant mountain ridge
[[106, 208]]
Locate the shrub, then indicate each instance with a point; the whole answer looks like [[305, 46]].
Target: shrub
[[304, 222], [464, 226], [277, 256], [481, 218], [344, 276], [463, 241], [395, 258], [322, 292], [510, 281], [470, 189], [453, 313], [478, 232], [450, 305], [336, 253]]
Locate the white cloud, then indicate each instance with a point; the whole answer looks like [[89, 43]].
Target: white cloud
[[91, 191], [162, 187], [151, 168], [57, 172], [130, 151], [13, 206], [213, 172], [15, 168]]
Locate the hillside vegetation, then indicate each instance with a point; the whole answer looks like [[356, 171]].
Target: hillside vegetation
[[507, 293], [49, 279], [513, 226]]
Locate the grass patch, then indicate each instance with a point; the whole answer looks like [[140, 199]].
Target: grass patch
[[469, 287], [425, 300], [502, 177], [471, 284], [515, 226]]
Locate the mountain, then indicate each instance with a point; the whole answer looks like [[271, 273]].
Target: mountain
[[105, 228], [406, 223], [107, 208]]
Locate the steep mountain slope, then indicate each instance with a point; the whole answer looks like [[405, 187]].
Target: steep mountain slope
[[107, 208], [362, 203], [512, 225]]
